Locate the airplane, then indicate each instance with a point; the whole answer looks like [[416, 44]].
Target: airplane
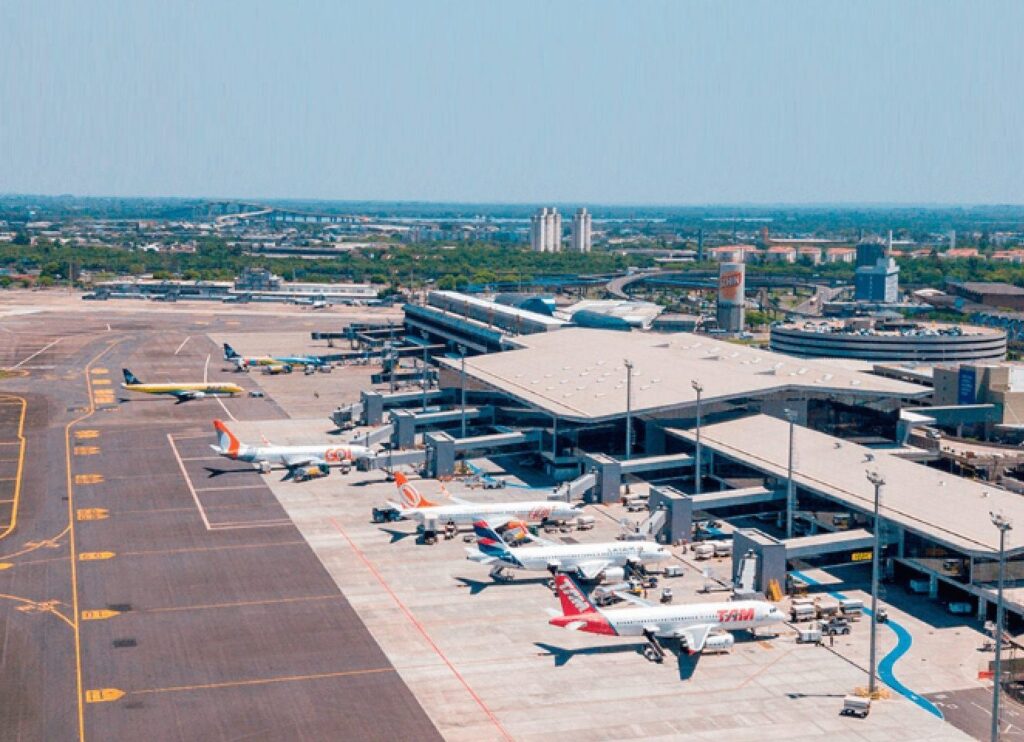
[[293, 458], [587, 561], [416, 507], [697, 626], [242, 363], [183, 392]]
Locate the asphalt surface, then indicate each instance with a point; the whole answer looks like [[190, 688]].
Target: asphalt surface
[[970, 710], [149, 590]]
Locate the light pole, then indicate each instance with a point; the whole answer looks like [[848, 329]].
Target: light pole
[[462, 358], [878, 481], [790, 490], [629, 408], [425, 383], [1003, 525], [697, 469]]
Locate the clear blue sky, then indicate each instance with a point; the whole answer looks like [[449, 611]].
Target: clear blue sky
[[672, 102]]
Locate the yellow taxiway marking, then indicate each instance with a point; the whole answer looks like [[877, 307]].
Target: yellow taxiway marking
[[101, 382], [86, 450], [79, 689], [99, 370], [95, 556], [211, 548], [16, 495], [240, 604], [5, 565], [266, 681], [103, 695], [88, 478], [84, 435], [92, 514], [38, 606], [99, 614]]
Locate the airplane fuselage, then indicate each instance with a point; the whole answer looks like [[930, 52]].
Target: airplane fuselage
[[209, 390], [333, 455], [530, 512], [667, 621], [570, 556]]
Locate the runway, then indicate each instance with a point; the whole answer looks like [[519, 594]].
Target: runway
[[153, 592]]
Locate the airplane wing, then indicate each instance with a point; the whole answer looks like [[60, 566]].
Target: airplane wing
[[592, 569], [294, 461], [630, 598], [694, 636]]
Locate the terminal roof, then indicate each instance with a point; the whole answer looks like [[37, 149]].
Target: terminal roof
[[939, 506], [578, 374]]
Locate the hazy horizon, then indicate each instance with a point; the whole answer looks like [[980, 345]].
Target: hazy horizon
[[661, 105]]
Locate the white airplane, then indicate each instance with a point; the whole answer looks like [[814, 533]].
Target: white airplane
[[293, 458], [697, 626], [587, 561], [416, 507]]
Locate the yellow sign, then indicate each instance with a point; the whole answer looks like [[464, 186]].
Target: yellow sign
[[93, 556], [103, 695], [83, 435], [99, 614], [88, 478], [860, 556], [92, 514], [86, 450]]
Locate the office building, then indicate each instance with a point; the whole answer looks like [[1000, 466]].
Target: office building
[[581, 231]]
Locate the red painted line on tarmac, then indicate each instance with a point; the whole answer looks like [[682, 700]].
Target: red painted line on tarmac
[[419, 627]]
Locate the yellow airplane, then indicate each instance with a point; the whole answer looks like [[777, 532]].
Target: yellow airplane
[[183, 392]]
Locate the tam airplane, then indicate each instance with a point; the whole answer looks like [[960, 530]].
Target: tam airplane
[[289, 457], [587, 561], [183, 392], [242, 362], [462, 512], [697, 626]]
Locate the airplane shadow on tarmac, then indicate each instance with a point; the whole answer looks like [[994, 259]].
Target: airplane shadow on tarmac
[[214, 472], [396, 535], [687, 663], [478, 586]]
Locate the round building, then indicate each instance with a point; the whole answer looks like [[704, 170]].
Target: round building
[[875, 340]]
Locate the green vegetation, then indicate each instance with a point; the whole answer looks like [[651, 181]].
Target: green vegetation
[[471, 263]]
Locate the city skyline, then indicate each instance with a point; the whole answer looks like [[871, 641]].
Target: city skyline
[[663, 104]]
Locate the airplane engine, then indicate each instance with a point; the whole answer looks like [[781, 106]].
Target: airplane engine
[[198, 395], [554, 567], [613, 574], [719, 642]]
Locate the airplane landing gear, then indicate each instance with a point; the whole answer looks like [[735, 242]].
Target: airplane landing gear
[[653, 651], [499, 573]]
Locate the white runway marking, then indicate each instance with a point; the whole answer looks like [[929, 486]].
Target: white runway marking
[[227, 526], [41, 350], [182, 344], [206, 378]]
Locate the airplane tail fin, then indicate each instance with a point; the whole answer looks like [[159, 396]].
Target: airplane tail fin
[[411, 498], [229, 353], [488, 541], [229, 444], [574, 601], [129, 377]]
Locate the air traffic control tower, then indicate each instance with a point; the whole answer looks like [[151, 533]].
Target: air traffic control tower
[[731, 287]]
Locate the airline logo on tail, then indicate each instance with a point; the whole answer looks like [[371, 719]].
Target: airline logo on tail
[[411, 498], [578, 613], [491, 544], [229, 444], [129, 377]]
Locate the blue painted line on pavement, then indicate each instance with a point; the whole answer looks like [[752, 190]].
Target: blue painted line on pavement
[[887, 665]]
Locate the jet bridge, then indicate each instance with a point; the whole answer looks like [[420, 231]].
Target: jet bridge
[[444, 449], [375, 403], [609, 470], [773, 554], [406, 422]]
